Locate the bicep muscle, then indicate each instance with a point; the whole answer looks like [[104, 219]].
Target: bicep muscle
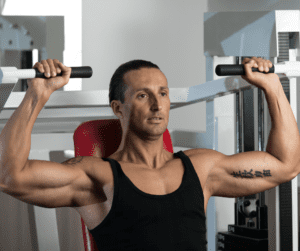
[[246, 174]]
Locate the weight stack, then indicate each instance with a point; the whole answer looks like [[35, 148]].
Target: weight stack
[[243, 238]]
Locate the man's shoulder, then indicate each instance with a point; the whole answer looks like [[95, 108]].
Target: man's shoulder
[[93, 166], [202, 158], [198, 152]]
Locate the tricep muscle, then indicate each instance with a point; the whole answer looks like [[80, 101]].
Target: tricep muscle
[[246, 173], [50, 184]]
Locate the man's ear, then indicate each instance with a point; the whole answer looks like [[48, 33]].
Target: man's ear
[[116, 107]]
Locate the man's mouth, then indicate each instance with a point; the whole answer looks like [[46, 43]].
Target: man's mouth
[[155, 118]]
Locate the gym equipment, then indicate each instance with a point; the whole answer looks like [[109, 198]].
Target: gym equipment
[[229, 37], [226, 41], [9, 77], [12, 74], [284, 69]]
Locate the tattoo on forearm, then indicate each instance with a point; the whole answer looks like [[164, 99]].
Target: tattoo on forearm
[[245, 174], [74, 160]]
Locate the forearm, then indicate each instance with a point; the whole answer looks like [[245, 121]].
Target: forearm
[[284, 138], [15, 138]]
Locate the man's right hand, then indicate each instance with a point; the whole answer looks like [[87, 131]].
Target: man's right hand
[[50, 68]]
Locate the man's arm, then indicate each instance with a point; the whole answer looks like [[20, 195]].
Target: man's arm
[[15, 138], [49, 184], [253, 172], [244, 173], [38, 182]]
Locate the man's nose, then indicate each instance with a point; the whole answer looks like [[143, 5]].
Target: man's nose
[[156, 103]]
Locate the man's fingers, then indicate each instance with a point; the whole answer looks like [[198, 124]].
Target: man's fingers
[[248, 66], [36, 65], [46, 68], [261, 64], [252, 63], [56, 64], [39, 66], [246, 60], [67, 70], [52, 67]]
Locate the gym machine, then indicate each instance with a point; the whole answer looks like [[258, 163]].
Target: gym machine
[[272, 35], [276, 35]]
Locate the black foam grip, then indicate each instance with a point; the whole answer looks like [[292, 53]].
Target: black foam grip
[[77, 72], [230, 70]]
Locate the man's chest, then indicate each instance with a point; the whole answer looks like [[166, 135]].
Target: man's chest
[[95, 206]]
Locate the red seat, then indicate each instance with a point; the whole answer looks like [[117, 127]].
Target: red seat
[[101, 138]]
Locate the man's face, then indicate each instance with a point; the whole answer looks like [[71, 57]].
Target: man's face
[[147, 96]]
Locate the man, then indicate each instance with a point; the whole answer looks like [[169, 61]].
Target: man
[[143, 197]]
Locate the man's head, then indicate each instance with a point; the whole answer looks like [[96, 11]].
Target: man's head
[[139, 91]]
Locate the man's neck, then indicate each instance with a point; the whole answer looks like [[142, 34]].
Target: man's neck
[[150, 154]]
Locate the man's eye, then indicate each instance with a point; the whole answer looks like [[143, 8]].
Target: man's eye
[[142, 95], [164, 93]]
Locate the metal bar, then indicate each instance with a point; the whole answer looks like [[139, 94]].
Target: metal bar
[[99, 98]]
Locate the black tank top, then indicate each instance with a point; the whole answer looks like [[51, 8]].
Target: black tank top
[[139, 221]]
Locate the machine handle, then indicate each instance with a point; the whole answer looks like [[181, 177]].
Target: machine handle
[[77, 72], [230, 70]]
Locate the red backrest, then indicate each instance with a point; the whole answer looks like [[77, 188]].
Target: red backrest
[[101, 138]]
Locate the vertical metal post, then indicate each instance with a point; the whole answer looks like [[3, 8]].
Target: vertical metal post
[[211, 139], [262, 209], [26, 63], [239, 219], [240, 119], [260, 138]]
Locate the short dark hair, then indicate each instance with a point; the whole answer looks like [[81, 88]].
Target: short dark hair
[[117, 86]]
